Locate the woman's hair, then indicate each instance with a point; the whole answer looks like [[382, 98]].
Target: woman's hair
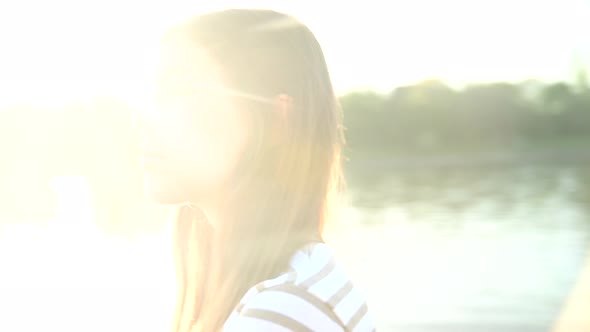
[[280, 192]]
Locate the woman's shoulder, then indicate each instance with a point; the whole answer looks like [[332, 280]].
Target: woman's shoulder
[[314, 295]]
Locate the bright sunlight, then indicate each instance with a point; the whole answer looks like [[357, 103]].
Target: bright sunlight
[[78, 237]]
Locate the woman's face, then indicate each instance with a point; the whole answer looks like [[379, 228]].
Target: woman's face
[[192, 138]]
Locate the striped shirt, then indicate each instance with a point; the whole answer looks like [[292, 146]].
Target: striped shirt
[[315, 295]]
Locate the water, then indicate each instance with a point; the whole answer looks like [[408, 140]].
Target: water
[[433, 250], [467, 250]]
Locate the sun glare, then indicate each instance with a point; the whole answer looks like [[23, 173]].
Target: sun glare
[[56, 60], [62, 55], [69, 72], [74, 204]]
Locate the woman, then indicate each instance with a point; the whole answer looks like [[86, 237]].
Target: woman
[[247, 137]]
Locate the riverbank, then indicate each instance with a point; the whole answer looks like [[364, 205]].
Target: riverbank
[[540, 156]]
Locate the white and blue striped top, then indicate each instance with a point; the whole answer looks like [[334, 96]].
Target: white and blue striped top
[[315, 295]]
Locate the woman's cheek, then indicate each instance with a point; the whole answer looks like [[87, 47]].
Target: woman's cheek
[[216, 146], [191, 160]]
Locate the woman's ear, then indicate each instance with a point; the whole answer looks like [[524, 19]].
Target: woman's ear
[[281, 113]]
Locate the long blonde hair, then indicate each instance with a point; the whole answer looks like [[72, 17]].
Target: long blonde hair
[[281, 193]]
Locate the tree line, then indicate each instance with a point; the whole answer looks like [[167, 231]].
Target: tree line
[[431, 117]]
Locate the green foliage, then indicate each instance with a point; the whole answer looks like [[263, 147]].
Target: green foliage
[[430, 117]]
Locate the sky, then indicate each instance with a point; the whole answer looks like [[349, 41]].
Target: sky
[[64, 49]]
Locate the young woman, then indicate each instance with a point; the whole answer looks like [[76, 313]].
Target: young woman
[[246, 136]]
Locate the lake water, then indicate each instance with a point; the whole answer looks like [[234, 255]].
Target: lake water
[[468, 250], [433, 250]]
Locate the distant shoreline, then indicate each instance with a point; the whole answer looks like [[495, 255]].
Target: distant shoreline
[[549, 157]]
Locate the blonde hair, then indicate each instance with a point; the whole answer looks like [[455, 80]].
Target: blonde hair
[[282, 194]]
